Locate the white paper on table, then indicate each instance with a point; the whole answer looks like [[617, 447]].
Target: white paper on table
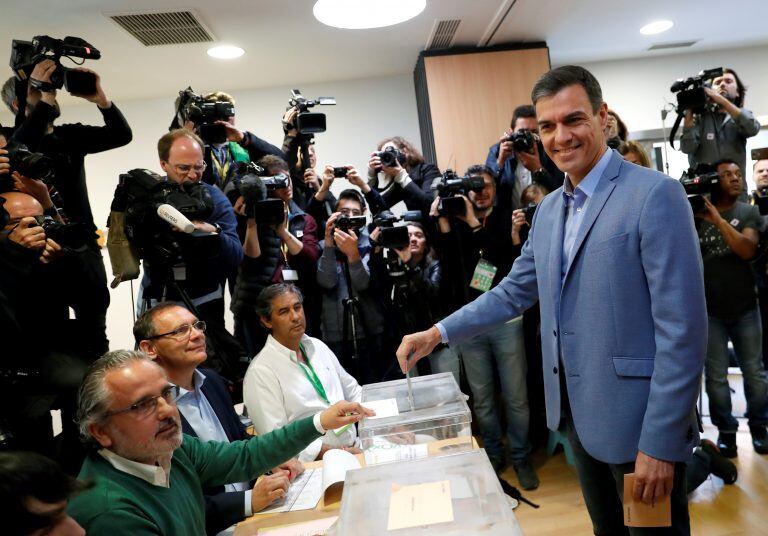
[[336, 463], [303, 493], [386, 407], [392, 452], [305, 528]]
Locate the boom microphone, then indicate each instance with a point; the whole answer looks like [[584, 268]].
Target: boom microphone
[[174, 217]]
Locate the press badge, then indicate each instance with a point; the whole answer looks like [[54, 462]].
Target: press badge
[[482, 279], [710, 136], [299, 233], [180, 272], [290, 275]]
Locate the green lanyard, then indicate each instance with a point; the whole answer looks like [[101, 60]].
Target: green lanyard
[[309, 372]]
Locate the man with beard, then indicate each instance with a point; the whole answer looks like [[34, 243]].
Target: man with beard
[[149, 477], [722, 130]]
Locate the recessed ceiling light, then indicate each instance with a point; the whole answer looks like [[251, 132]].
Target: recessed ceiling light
[[656, 27], [225, 52], [359, 14]]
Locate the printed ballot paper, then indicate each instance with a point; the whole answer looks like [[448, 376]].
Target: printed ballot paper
[[639, 514], [383, 408], [419, 505]]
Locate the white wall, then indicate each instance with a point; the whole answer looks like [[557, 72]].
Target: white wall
[[368, 110]]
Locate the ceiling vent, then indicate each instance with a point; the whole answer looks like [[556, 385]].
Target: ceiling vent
[[443, 33], [667, 46], [163, 28]]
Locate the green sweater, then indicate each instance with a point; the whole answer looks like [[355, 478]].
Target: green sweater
[[124, 504]]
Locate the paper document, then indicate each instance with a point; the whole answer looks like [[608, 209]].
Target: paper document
[[639, 514], [306, 528], [420, 504], [303, 493], [410, 389], [336, 463], [391, 452], [383, 408]]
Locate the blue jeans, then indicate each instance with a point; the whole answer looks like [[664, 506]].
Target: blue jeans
[[499, 352], [446, 359], [746, 335]]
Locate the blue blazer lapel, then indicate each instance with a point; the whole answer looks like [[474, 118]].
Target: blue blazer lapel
[[603, 191]]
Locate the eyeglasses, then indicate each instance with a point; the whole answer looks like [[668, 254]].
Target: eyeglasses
[[182, 332], [144, 408], [184, 169], [351, 212]]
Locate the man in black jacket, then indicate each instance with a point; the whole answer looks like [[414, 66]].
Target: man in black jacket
[[517, 169], [175, 339], [477, 253], [67, 145]]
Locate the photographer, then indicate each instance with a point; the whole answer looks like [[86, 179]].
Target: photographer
[[303, 174], [481, 238], [67, 145], [285, 252], [181, 157], [408, 279], [352, 321], [516, 169], [721, 131], [321, 203], [404, 176], [44, 358], [728, 233]]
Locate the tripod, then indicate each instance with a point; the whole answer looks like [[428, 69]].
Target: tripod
[[351, 312]]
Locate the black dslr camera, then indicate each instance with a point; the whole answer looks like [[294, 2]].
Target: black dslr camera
[[72, 236], [350, 223], [391, 156], [254, 188], [27, 163], [450, 187], [700, 183], [522, 140], [690, 91], [26, 54], [394, 236], [309, 122], [204, 114]]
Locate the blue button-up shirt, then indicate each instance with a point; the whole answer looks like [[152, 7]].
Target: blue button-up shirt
[[576, 201]]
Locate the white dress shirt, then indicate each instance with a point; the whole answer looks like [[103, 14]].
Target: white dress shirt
[[277, 392], [153, 474]]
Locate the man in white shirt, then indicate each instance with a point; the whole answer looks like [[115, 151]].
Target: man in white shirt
[[175, 339], [295, 375]]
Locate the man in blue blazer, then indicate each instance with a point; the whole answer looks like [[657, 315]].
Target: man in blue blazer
[[175, 339], [613, 258]]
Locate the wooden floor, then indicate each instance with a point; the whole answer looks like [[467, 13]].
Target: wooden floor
[[716, 509]]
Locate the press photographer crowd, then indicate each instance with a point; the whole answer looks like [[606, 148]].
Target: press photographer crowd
[[323, 285]]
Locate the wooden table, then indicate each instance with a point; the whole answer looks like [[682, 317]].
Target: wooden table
[[331, 506]]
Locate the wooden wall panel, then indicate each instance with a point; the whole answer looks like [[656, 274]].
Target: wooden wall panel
[[472, 97]]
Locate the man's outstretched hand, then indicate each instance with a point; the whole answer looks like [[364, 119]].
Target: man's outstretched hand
[[416, 346]]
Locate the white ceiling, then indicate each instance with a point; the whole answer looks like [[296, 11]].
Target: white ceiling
[[286, 46]]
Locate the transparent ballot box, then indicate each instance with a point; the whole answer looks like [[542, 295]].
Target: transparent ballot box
[[439, 413], [454, 495]]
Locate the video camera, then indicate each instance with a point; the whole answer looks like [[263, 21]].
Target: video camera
[[450, 187], [522, 140], [309, 122], [204, 114], [394, 236], [141, 195], [391, 156], [690, 91], [26, 54], [700, 183], [254, 188]]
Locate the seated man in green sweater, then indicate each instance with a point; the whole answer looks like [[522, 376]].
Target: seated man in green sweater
[[149, 477]]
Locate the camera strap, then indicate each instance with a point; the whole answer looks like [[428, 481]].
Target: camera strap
[[675, 126]]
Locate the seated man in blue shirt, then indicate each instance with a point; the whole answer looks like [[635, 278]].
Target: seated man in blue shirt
[[175, 339]]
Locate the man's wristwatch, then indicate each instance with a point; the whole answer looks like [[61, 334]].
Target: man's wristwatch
[[217, 227]]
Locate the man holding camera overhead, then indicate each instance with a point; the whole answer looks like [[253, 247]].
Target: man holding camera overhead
[[721, 131], [67, 145], [518, 159]]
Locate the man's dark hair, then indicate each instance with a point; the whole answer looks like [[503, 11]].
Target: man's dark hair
[[144, 328], [740, 87], [354, 195], [26, 475], [725, 161], [480, 169], [554, 81], [268, 294], [274, 164], [526, 111]]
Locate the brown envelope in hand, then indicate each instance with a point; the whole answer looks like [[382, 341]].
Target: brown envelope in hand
[[639, 514]]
